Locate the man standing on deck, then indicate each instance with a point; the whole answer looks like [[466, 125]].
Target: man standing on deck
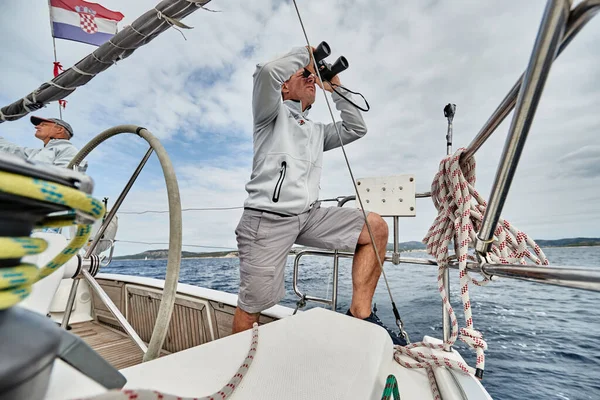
[[56, 135], [282, 207]]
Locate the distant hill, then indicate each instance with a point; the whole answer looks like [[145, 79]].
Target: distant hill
[[404, 246], [160, 254], [571, 242], [407, 246]]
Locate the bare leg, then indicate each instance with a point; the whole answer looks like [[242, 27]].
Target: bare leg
[[243, 320], [365, 267]]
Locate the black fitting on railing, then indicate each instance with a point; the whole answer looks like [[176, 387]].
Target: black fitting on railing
[[300, 304]]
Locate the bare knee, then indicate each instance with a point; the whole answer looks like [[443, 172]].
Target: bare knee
[[243, 320], [379, 228]]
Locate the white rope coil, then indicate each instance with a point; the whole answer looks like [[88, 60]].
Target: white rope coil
[[80, 72], [120, 47], [27, 103], [460, 215], [60, 87], [102, 61], [138, 32], [4, 117]]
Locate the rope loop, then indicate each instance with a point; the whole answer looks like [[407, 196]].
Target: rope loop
[[16, 282], [175, 23], [460, 215], [201, 4]]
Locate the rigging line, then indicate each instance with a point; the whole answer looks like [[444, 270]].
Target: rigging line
[[184, 245], [183, 209], [379, 261]]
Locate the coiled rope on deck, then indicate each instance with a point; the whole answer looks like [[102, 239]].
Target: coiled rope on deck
[[16, 282], [460, 215]]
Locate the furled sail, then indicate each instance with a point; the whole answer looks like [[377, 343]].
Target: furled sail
[[152, 23]]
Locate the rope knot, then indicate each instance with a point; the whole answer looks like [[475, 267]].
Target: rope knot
[[473, 338], [175, 23], [460, 215]]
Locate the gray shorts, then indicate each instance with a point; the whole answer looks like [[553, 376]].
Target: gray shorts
[[265, 239]]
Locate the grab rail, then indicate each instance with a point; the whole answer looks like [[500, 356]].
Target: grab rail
[[578, 18], [576, 278], [544, 51]]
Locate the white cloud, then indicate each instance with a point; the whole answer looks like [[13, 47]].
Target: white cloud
[[409, 59]]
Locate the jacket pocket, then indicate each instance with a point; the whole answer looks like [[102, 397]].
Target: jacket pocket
[[279, 183]]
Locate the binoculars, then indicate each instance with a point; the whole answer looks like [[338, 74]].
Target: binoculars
[[327, 71]]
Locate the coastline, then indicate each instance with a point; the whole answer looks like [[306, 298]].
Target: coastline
[[293, 253]]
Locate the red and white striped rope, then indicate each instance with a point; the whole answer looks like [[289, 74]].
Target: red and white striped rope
[[460, 214], [222, 394]]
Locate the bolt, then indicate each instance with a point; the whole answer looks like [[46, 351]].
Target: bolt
[[412, 179], [358, 183], [400, 200], [400, 188], [368, 190], [383, 189], [383, 200], [367, 201], [412, 209]]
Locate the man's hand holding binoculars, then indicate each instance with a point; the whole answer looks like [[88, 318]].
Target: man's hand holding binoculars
[[328, 72]]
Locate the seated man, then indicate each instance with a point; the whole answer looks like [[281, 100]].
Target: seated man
[[57, 150], [282, 207]]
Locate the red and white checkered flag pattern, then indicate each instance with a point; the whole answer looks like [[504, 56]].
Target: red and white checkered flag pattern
[[87, 23]]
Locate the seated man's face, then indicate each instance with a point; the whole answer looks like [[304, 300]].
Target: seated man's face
[[300, 88], [48, 130]]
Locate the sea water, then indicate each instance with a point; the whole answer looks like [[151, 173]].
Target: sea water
[[543, 341]]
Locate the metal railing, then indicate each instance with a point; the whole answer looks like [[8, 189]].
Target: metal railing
[[570, 277], [558, 27], [90, 279], [578, 18], [544, 51], [332, 302]]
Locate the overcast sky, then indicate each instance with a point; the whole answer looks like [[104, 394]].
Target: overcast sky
[[408, 58]]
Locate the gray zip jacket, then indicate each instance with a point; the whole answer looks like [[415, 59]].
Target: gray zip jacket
[[57, 152], [288, 147]]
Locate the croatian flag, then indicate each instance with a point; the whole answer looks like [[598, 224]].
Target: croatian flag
[[84, 22]]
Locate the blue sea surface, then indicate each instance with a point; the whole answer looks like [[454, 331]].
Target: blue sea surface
[[543, 341]]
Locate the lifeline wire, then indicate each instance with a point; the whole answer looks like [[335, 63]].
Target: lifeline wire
[[183, 209], [185, 245], [396, 314]]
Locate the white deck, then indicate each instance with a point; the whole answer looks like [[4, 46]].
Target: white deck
[[317, 354]]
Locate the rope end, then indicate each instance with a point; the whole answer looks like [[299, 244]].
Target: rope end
[[479, 373]]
